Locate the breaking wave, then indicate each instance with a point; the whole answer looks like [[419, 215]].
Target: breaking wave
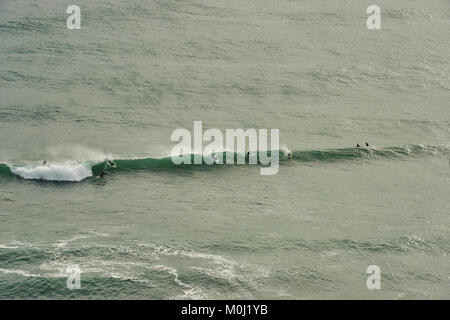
[[78, 171], [54, 172]]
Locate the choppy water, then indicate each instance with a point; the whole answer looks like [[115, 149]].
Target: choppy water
[[137, 70]]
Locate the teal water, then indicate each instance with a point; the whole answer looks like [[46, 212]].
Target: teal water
[[137, 70]]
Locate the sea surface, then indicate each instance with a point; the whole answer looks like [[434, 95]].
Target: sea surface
[[137, 70]]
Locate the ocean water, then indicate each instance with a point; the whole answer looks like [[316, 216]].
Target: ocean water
[[137, 70]]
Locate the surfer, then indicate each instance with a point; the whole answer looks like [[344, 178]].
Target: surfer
[[112, 164], [44, 163], [289, 154], [367, 144], [103, 174], [358, 146]]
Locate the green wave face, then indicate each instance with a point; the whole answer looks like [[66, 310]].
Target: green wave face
[[4, 169], [78, 171], [333, 155]]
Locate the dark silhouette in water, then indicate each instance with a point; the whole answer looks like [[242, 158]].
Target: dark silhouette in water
[[44, 163], [367, 144], [103, 174], [289, 155], [112, 164], [358, 146]]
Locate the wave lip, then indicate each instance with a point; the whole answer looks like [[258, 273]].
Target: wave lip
[[54, 172]]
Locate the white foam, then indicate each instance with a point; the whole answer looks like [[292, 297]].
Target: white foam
[[5, 246], [54, 172], [63, 243], [19, 272]]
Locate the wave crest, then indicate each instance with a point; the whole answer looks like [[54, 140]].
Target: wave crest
[[78, 171], [54, 172]]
